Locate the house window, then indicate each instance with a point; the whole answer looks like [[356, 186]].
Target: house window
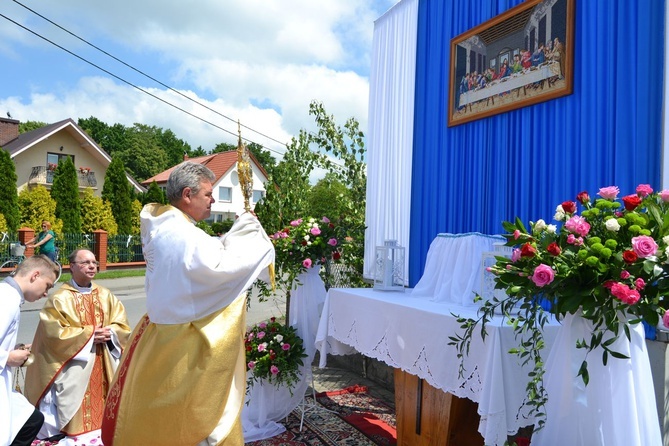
[[257, 195], [224, 193], [54, 158]]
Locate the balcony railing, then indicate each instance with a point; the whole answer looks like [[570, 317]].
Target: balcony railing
[[43, 175]]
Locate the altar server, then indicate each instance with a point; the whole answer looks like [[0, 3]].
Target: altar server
[[19, 420]]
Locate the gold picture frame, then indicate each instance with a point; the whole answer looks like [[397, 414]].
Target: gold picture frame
[[518, 58]]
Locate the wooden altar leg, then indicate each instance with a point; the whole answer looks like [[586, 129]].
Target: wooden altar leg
[[445, 420]]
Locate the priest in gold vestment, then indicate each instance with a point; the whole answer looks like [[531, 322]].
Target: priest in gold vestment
[[182, 378], [78, 343]]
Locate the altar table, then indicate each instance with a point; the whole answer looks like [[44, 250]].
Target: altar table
[[411, 333]]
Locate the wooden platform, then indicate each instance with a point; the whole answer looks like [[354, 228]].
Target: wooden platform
[[431, 417]]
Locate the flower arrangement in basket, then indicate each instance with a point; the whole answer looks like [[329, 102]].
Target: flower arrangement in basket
[[610, 264], [307, 243], [274, 353]]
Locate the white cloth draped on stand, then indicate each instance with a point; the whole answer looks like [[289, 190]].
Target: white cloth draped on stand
[[616, 408], [453, 267], [267, 404]]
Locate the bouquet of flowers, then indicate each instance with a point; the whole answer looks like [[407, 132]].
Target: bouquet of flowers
[[307, 243], [610, 264], [274, 352]]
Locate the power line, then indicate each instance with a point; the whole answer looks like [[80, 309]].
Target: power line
[[145, 74]]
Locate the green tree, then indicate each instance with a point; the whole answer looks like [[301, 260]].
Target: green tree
[[96, 213], [197, 152], [35, 205], [3, 224], [154, 194], [65, 192], [112, 139], [143, 155], [329, 197], [224, 147], [118, 191], [29, 126], [136, 209], [9, 200], [173, 147]]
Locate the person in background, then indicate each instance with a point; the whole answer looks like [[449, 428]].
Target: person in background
[[82, 331], [19, 420], [182, 381], [45, 240]]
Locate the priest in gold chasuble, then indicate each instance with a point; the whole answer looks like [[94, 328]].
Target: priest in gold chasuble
[[182, 378], [78, 343]]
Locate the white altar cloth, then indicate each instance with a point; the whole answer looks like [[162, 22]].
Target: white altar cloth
[[453, 267], [411, 333]]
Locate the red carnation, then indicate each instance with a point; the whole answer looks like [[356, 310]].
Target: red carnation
[[554, 249], [304, 243], [569, 207], [583, 197], [527, 250], [331, 226], [336, 255], [631, 202], [630, 256]]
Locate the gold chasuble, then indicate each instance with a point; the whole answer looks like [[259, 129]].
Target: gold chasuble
[[198, 365], [182, 378], [66, 326]]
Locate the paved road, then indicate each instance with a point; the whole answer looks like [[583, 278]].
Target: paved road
[[130, 290]]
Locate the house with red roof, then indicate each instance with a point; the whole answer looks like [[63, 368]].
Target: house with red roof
[[228, 197]]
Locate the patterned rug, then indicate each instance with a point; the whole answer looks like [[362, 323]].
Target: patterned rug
[[348, 417]]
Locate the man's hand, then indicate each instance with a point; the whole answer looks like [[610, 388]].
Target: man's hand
[[101, 335], [18, 357]]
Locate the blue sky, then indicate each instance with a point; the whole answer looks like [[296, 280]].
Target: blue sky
[[259, 61]]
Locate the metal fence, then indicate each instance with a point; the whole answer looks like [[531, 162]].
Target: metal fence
[[67, 243], [124, 249], [5, 240]]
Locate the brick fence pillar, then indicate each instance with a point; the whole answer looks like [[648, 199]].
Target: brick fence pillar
[[25, 235], [101, 248]]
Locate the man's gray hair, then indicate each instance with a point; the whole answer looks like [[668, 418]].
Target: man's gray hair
[[187, 174]]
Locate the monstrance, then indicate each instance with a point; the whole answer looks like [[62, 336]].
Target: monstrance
[[244, 170]]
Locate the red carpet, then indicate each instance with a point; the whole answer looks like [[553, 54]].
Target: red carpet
[[353, 417]]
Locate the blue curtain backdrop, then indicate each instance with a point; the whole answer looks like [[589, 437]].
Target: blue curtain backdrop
[[525, 162]]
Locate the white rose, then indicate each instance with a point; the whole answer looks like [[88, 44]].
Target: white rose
[[612, 225], [306, 237], [666, 252], [559, 214], [278, 338], [539, 226], [665, 239], [551, 229]]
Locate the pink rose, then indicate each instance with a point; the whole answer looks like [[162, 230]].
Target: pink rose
[[624, 274], [665, 319], [326, 220], [307, 263], [296, 222], [644, 190], [625, 294], [251, 365], [261, 335], [516, 234], [315, 231], [664, 195], [640, 283], [543, 275], [262, 325], [285, 347], [578, 225], [644, 246], [609, 193], [274, 369], [332, 242], [261, 347]]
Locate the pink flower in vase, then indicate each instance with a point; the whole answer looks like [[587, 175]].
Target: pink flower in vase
[[307, 263], [274, 369], [332, 242]]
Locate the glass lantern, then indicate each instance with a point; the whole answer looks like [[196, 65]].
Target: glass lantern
[[389, 267]]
